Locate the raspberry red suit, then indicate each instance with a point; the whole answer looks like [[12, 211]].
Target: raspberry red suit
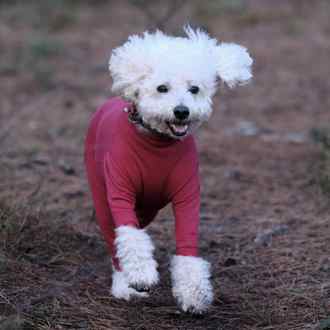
[[132, 175]]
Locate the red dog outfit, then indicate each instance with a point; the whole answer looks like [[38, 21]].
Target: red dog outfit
[[132, 175]]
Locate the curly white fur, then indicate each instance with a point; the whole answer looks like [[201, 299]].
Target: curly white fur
[[235, 68], [191, 284], [120, 287], [135, 255], [153, 59]]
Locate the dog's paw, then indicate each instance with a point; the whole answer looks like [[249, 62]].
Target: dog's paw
[[135, 255], [143, 276], [191, 284], [120, 288]]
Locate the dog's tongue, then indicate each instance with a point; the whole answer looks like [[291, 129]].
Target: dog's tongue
[[180, 128]]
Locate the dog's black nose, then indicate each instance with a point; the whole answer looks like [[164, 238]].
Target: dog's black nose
[[181, 112]]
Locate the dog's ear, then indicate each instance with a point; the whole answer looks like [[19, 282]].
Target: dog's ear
[[127, 66], [234, 64]]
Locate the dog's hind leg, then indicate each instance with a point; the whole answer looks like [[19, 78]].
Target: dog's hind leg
[[98, 190]]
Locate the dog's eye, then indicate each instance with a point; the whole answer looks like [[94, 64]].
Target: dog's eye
[[162, 89], [194, 89]]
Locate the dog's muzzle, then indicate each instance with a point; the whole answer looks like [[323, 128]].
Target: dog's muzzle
[[179, 126]]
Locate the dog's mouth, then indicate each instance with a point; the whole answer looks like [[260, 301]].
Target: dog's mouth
[[178, 129]]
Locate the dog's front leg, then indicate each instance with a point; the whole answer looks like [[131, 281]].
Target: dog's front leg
[[135, 254], [191, 284], [190, 274]]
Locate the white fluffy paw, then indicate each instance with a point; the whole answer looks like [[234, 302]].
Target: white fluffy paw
[[135, 254], [121, 290], [191, 284]]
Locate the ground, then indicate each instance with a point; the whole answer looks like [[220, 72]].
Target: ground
[[264, 220]]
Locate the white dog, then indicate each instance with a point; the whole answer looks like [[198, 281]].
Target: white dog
[[140, 155]]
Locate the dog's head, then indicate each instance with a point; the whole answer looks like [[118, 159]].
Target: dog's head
[[171, 80]]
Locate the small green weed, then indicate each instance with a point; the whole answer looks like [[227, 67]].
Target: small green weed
[[13, 322], [325, 324], [44, 47], [322, 137]]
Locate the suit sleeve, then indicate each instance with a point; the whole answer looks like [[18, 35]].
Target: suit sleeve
[[186, 205], [120, 193]]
